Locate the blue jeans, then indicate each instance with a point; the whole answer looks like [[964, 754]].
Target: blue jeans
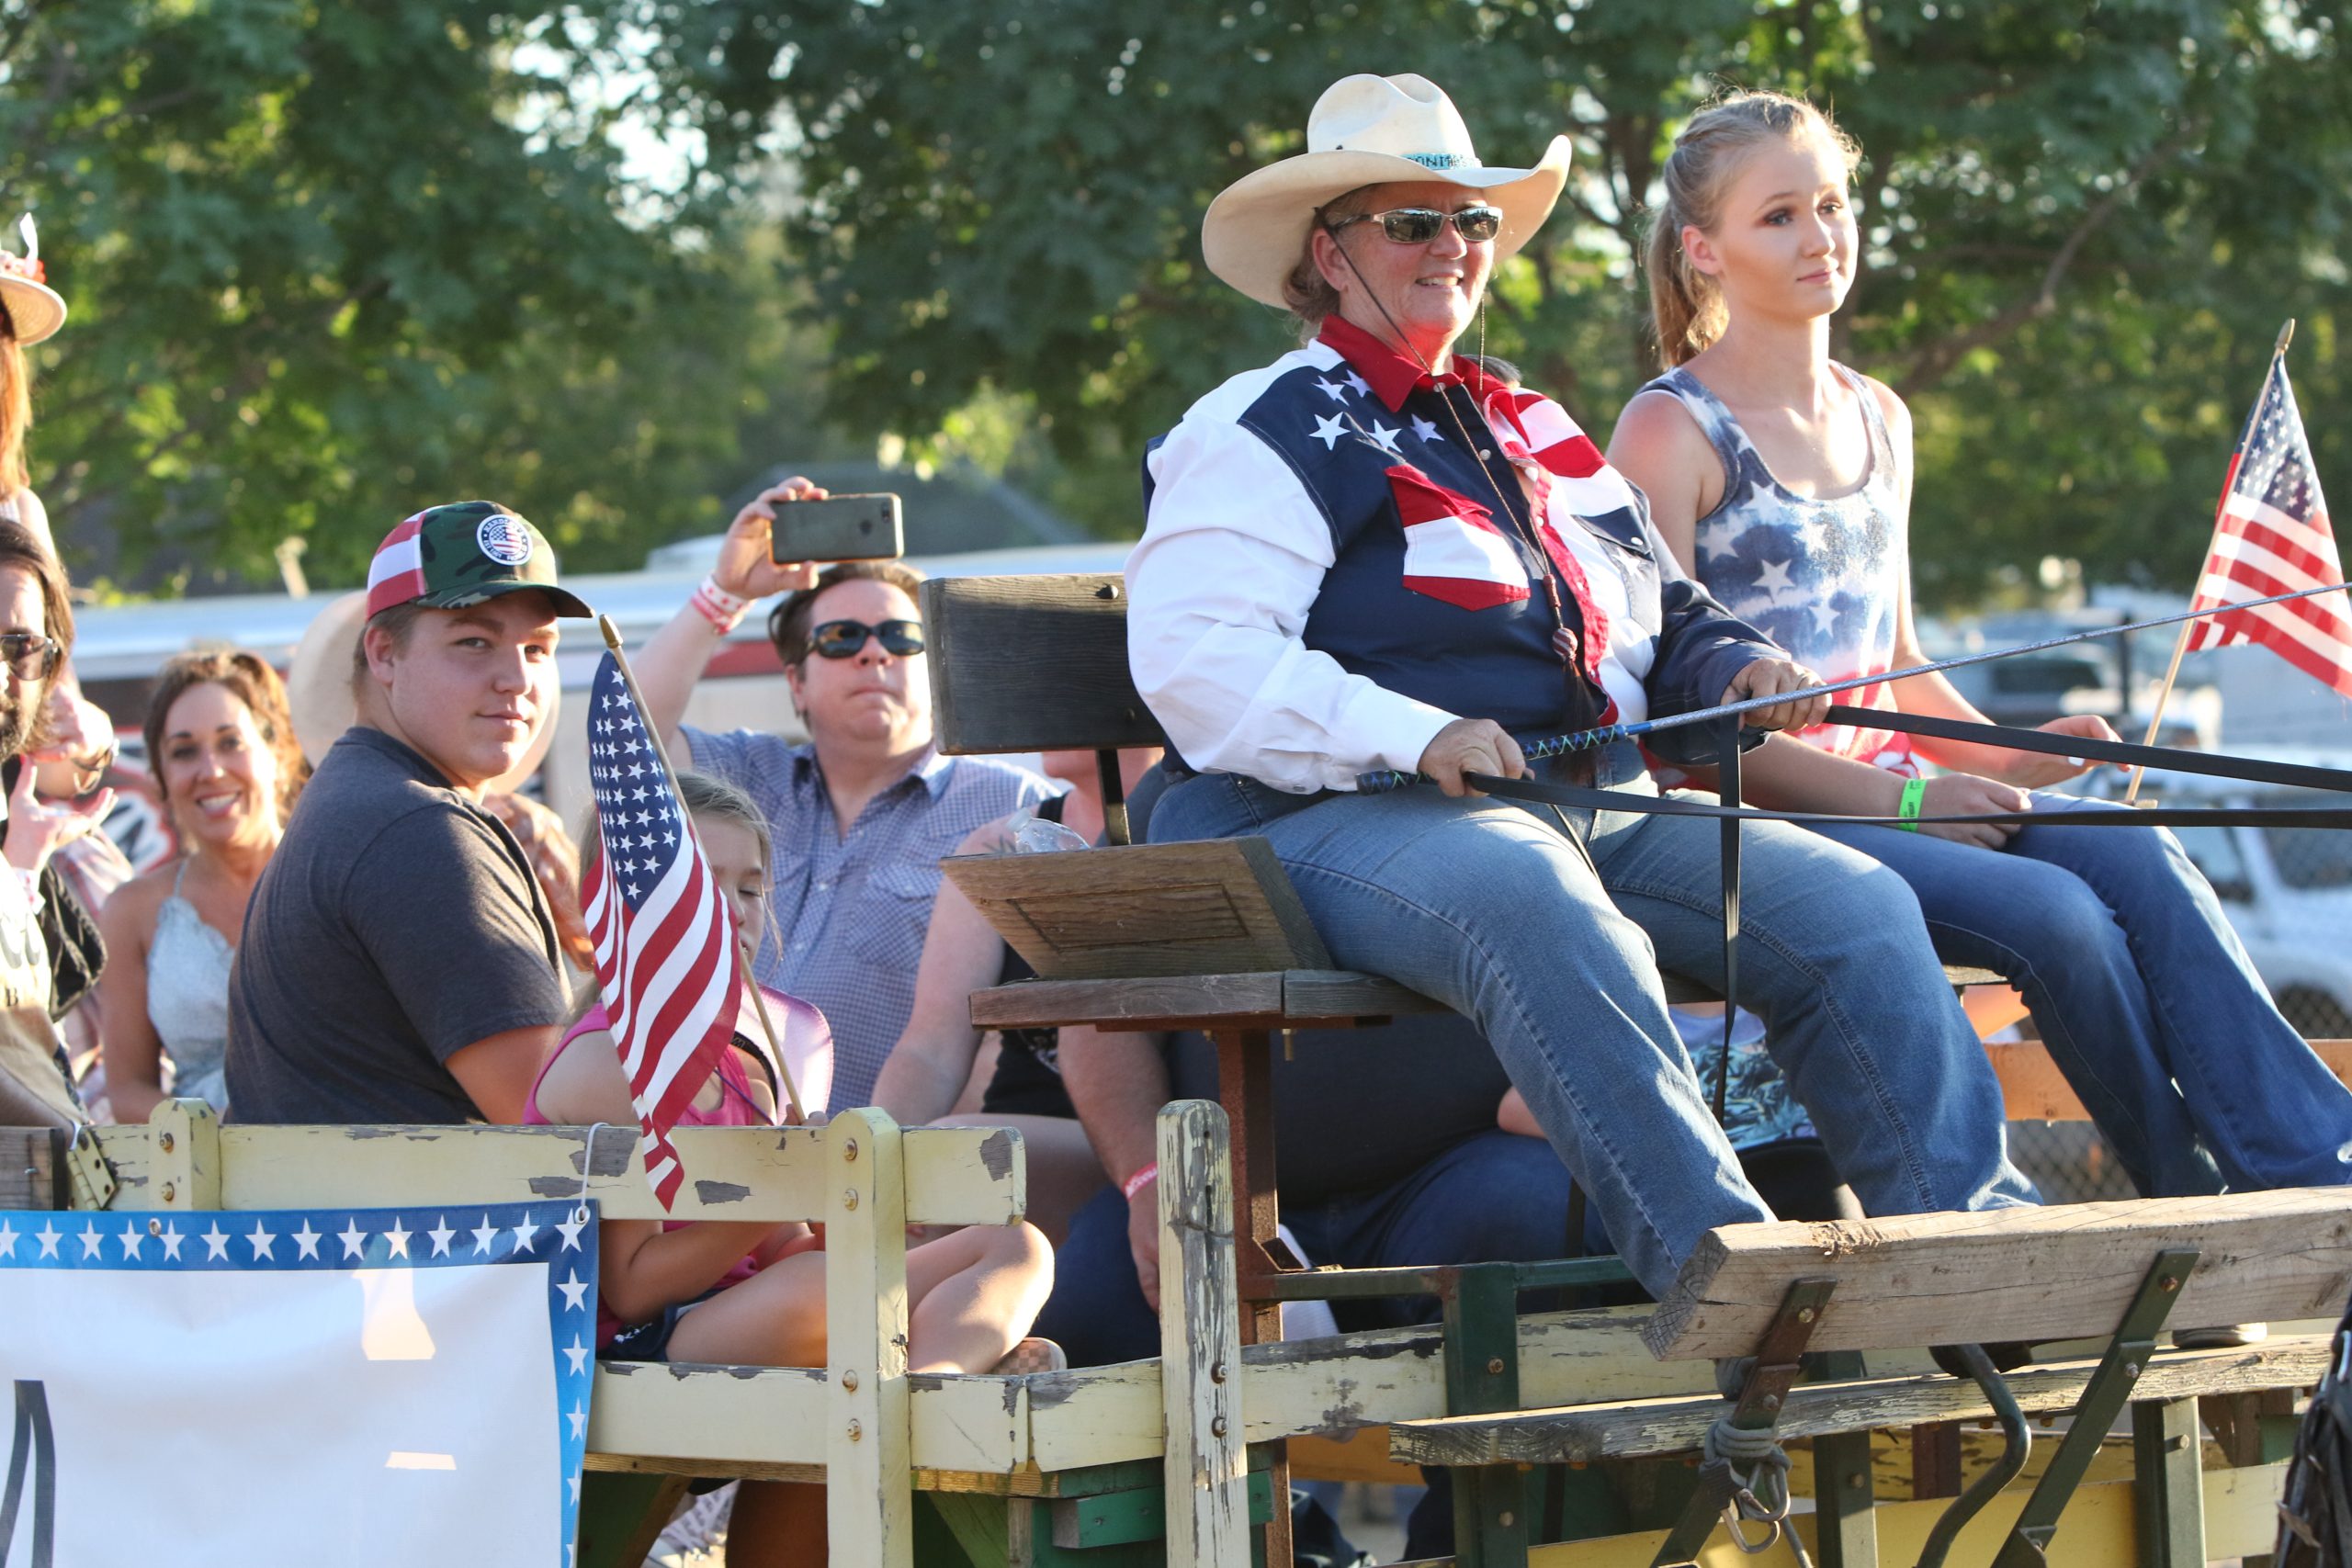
[[2143, 993], [1547, 929]]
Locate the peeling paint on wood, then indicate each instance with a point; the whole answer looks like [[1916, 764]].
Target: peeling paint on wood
[[716, 1193]]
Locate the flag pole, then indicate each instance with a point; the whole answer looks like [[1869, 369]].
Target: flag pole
[[2181, 643], [670, 776]]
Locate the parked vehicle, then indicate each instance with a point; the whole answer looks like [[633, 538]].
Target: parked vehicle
[[2287, 891]]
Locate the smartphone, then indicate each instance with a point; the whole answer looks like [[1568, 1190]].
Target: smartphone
[[841, 527]]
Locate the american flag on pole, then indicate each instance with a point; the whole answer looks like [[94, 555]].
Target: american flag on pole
[[666, 955], [2272, 537]]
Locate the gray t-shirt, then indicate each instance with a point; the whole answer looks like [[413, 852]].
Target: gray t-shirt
[[397, 924]]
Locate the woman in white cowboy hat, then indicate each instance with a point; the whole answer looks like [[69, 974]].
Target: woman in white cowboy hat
[[1375, 554], [30, 312]]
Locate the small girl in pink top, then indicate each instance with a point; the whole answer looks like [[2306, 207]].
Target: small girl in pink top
[[750, 1293]]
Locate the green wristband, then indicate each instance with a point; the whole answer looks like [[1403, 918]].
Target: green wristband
[[1915, 793]]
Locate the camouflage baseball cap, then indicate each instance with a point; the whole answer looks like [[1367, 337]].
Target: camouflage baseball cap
[[447, 557]]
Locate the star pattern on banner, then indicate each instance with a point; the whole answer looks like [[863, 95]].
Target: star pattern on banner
[[1328, 430], [1426, 429], [1385, 437], [115, 1243], [1336, 393]]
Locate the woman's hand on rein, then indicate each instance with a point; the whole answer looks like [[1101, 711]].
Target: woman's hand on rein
[[1770, 678], [1471, 746], [745, 568]]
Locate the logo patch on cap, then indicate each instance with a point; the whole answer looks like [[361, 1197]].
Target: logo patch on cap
[[506, 540]]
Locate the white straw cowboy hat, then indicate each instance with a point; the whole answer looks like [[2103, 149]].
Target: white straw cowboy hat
[[35, 309], [1366, 131]]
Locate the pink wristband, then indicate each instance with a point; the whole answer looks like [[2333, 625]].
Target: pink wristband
[[1139, 1181], [723, 610]]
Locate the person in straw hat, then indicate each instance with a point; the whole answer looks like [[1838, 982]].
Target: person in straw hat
[[1375, 553], [31, 312]]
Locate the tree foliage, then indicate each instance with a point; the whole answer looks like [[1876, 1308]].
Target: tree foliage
[[2085, 217], [327, 263], [329, 260]]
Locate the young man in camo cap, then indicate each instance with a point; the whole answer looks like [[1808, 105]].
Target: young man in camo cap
[[400, 963]]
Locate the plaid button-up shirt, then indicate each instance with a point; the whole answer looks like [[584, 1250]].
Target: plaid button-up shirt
[[850, 911]]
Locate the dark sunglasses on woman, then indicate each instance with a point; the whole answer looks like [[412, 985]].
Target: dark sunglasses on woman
[[1418, 225], [841, 639]]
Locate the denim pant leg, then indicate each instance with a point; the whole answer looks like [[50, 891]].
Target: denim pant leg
[[1495, 1197], [1834, 956], [2048, 932], [1497, 915], [2269, 1110], [1097, 1312]]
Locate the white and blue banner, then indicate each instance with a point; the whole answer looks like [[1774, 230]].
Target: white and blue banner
[[371, 1386]]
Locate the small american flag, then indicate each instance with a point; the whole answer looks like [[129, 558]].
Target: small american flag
[[665, 944], [2272, 537]]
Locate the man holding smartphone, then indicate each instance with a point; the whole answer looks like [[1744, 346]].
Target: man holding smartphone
[[861, 811]]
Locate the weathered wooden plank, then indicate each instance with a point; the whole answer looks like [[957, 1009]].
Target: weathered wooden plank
[[770, 1422], [1205, 907], [1033, 664], [1676, 1426], [967, 1423], [955, 1175], [32, 1168], [1334, 1386], [1206, 1478], [1342, 993], [727, 1417], [869, 1465], [186, 1175], [1268, 1000], [2013, 1274], [1217, 1000]]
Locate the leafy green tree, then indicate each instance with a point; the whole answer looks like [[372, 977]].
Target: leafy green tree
[[328, 262], [2084, 219]]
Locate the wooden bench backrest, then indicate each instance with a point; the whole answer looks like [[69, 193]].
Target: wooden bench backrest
[[1033, 664], [2017, 1274]]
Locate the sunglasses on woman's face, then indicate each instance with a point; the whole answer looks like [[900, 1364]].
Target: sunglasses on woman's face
[[29, 654], [841, 639], [1419, 225]]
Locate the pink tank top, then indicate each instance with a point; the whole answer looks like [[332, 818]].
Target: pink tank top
[[736, 1108]]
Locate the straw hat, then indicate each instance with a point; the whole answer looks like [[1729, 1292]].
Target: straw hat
[[1366, 131], [318, 689], [35, 309]]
